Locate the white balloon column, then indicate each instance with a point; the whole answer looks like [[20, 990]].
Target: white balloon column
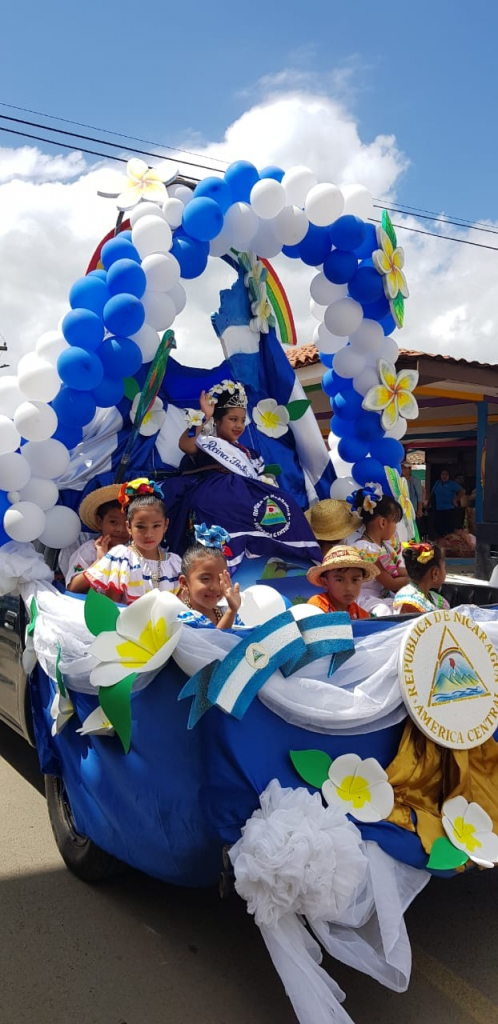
[[116, 312]]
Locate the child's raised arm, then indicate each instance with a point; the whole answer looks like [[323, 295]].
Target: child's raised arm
[[187, 442]]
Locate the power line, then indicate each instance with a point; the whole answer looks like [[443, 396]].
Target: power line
[[418, 209], [440, 220], [432, 234]]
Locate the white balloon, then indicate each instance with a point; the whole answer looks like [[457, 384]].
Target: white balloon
[[181, 192], [13, 496], [173, 211], [265, 242], [390, 350], [342, 488], [304, 611], [35, 421], [62, 527], [260, 603], [151, 234], [178, 296], [10, 395], [399, 429], [47, 458], [41, 492], [241, 224], [348, 363], [267, 198], [221, 244], [146, 210], [324, 292], [50, 345], [357, 201], [316, 310], [291, 225], [368, 338], [24, 521], [365, 380], [159, 310], [327, 342], [343, 317], [10, 438], [38, 379], [297, 182], [162, 271], [147, 340], [342, 469], [15, 471], [324, 204]]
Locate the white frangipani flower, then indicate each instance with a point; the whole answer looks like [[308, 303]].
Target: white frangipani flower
[[470, 829], [359, 788], [145, 637]]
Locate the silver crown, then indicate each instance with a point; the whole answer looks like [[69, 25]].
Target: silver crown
[[237, 398]]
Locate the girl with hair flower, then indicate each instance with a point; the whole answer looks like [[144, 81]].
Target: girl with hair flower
[[380, 514], [128, 571], [205, 581], [426, 569]]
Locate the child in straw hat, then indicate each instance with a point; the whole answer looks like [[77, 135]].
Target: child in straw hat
[[342, 574], [331, 521], [101, 512]]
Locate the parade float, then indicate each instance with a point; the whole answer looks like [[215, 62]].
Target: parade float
[[334, 765]]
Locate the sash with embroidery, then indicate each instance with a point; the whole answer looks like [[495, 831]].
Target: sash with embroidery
[[227, 455]]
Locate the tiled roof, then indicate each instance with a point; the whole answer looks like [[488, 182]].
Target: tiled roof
[[307, 355]]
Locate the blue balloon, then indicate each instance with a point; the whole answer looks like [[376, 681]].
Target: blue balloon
[[366, 286], [368, 426], [292, 251], [191, 256], [109, 392], [347, 404], [241, 176], [127, 276], [80, 369], [370, 243], [118, 248], [89, 293], [347, 232], [388, 324], [332, 383], [74, 408], [126, 234], [83, 328], [388, 451], [180, 233], [366, 470], [272, 172], [340, 426], [326, 358], [340, 266], [376, 310], [315, 246], [120, 357], [70, 436], [4, 505], [217, 189], [124, 314], [98, 273], [351, 449], [202, 219]]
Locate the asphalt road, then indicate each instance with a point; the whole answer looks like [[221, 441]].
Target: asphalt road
[[134, 951]]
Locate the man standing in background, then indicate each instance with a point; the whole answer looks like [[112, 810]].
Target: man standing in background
[[414, 489]]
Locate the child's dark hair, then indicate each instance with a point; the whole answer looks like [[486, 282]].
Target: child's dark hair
[[386, 506], [417, 570], [194, 554], [107, 506], [144, 501]]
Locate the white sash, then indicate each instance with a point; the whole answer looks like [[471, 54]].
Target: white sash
[[227, 455]]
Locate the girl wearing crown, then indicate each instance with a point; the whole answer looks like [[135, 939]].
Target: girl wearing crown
[[223, 409]]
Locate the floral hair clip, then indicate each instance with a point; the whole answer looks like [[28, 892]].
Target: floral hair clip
[[211, 536], [372, 494], [135, 488], [425, 551]]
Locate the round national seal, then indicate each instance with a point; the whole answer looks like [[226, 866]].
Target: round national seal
[[448, 673]]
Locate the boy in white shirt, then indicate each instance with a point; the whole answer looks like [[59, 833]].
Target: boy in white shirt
[[101, 512]]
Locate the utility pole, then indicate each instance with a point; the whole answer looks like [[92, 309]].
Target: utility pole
[[3, 348]]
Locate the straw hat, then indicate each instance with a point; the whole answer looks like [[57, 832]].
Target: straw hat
[[332, 519], [342, 557], [91, 504]]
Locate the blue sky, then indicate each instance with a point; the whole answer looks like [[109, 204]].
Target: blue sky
[[425, 72]]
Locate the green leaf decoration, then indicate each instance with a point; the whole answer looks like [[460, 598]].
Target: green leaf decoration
[[389, 229], [312, 765], [253, 290], [131, 388], [398, 309], [115, 702], [445, 857], [33, 615], [59, 678], [101, 613], [274, 469], [298, 408]]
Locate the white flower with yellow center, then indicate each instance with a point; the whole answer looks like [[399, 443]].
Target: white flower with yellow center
[[195, 418], [389, 261], [142, 182], [470, 829], [270, 418], [393, 396], [262, 318], [61, 711], [145, 637], [359, 788], [96, 724], [153, 419]]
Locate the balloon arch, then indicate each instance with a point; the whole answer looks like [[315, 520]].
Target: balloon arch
[[135, 291]]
